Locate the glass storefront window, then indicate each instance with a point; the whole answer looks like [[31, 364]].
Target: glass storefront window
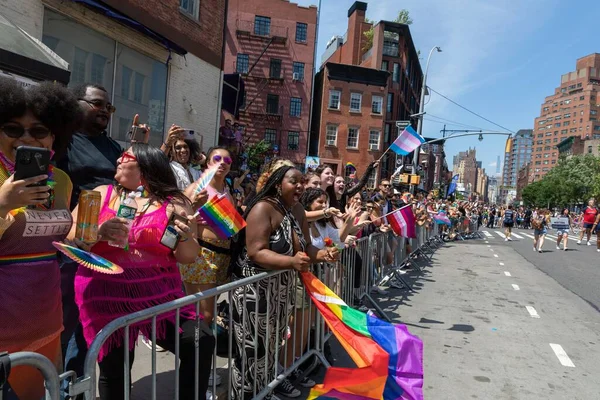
[[140, 82]]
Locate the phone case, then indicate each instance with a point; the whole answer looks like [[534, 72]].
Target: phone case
[[30, 162], [170, 237]]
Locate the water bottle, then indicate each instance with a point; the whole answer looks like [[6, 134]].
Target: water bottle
[[127, 210]]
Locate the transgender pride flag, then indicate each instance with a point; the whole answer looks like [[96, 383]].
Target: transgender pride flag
[[407, 142]]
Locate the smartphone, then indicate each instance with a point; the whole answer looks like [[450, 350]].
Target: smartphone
[[171, 237], [30, 162], [137, 134], [189, 133]]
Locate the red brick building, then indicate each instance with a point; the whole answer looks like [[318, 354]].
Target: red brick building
[[571, 111], [392, 52], [271, 44]]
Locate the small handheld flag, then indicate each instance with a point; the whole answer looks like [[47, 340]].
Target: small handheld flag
[[402, 222], [407, 142], [452, 187], [350, 166], [222, 216], [441, 219]]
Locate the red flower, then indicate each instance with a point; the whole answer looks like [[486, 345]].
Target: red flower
[[328, 242]]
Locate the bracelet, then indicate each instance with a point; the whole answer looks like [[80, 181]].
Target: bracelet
[[326, 214], [184, 240]]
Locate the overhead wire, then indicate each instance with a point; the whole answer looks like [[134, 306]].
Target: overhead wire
[[451, 122], [472, 112]]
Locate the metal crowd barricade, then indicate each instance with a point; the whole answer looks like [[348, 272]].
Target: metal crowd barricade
[[38, 361]]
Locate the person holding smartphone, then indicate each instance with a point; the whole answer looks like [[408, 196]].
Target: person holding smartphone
[[150, 276], [34, 212], [184, 152]]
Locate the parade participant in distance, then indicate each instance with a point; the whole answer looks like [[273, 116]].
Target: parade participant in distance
[[563, 233], [540, 228], [43, 116], [589, 215], [596, 230], [509, 222]]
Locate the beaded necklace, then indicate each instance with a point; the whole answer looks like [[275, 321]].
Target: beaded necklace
[[7, 169]]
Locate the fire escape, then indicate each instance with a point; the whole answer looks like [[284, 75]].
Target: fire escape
[[254, 35]]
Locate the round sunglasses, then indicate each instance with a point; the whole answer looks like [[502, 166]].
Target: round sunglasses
[[15, 131], [227, 160]]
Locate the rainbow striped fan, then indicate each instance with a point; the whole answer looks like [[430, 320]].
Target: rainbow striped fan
[[88, 260]]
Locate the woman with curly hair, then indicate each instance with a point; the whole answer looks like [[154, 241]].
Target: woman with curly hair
[[31, 218], [185, 155]]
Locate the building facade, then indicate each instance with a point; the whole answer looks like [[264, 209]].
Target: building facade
[[522, 181], [465, 165], [571, 111], [575, 146], [138, 56], [271, 44], [392, 51], [517, 154]]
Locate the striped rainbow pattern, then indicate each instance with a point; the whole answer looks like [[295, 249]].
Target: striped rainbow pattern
[[388, 357], [407, 142], [222, 216], [402, 222], [27, 258]]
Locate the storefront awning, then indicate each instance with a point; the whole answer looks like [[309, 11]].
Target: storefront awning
[[23, 56], [125, 20]]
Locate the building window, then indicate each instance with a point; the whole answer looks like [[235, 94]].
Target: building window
[[272, 104], [298, 70], [593, 112], [98, 63], [396, 73], [374, 140], [79, 66], [275, 68], [334, 99], [386, 135], [331, 135], [372, 182], [138, 88], [352, 138], [293, 140], [385, 65], [262, 26], [390, 103], [271, 135], [355, 102], [301, 32], [242, 64], [126, 74], [377, 105], [295, 106], [189, 7]]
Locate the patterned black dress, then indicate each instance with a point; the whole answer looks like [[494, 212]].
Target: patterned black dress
[[269, 304]]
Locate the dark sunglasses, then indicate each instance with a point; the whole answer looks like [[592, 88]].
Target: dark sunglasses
[[99, 105], [227, 160], [15, 131]]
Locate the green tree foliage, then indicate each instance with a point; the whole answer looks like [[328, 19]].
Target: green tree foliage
[[572, 181], [257, 153], [402, 18]]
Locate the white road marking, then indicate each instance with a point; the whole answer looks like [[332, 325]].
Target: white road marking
[[502, 235], [486, 241], [532, 312], [552, 237], [489, 245], [517, 236], [562, 356], [487, 234], [495, 255], [507, 273], [529, 236], [502, 264], [516, 287]]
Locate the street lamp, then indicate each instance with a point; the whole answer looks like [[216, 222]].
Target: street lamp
[[422, 106]]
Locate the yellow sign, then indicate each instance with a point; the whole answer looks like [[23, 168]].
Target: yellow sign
[[415, 179], [404, 178]]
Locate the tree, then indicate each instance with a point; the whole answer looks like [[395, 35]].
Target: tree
[[404, 17], [257, 153]]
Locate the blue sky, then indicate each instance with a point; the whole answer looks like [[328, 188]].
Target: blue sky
[[500, 57]]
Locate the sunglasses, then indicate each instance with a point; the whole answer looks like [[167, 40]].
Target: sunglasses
[[99, 105], [182, 147], [386, 185], [125, 158], [227, 160], [16, 131]]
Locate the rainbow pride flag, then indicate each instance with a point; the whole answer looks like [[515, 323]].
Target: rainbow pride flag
[[221, 216], [388, 357]]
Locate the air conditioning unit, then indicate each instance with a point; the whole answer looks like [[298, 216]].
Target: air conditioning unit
[[296, 76], [330, 142], [373, 146]]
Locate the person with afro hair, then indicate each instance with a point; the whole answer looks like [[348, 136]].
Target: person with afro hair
[[31, 218]]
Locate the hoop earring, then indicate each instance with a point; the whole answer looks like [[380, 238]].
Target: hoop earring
[[279, 191]]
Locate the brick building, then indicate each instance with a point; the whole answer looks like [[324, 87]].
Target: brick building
[[522, 181], [138, 56], [271, 44], [391, 51], [517, 154], [465, 165], [571, 111]]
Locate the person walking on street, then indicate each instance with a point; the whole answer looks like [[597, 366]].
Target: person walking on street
[[509, 222], [589, 217], [562, 232], [539, 224]]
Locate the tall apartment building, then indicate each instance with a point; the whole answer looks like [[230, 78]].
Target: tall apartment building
[[517, 154], [161, 60], [465, 165], [482, 184], [271, 44], [386, 80], [571, 111]]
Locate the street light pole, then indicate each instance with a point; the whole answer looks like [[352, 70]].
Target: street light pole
[[421, 109]]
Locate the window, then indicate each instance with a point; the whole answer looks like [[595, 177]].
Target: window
[[138, 89], [568, 101], [126, 82], [293, 140], [352, 138], [79, 66], [355, 102], [372, 182], [546, 109], [385, 65], [396, 73], [298, 70], [271, 135], [295, 106], [272, 104], [593, 112], [334, 99], [98, 63], [331, 135], [581, 97], [189, 7], [386, 133], [377, 105], [557, 125], [390, 102], [566, 123], [374, 140], [301, 32], [262, 25], [242, 64], [275, 68]]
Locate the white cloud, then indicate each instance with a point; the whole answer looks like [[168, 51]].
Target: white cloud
[[493, 164]]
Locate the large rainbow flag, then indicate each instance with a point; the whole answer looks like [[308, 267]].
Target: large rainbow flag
[[388, 357]]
